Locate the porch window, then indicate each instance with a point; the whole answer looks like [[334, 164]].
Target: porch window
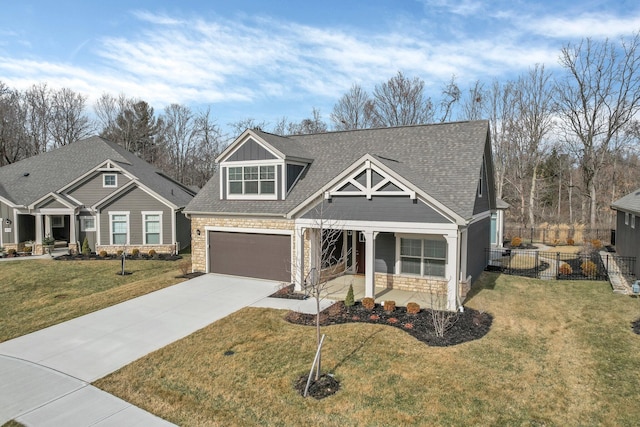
[[152, 228], [424, 257], [119, 228], [252, 180], [87, 223], [57, 222], [109, 180]]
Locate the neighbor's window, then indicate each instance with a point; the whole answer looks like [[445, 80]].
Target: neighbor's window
[[109, 180], [152, 229], [424, 257], [57, 222], [87, 223], [252, 180], [119, 229], [626, 218]]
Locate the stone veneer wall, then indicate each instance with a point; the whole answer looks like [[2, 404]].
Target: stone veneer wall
[[199, 243], [411, 283], [144, 249]]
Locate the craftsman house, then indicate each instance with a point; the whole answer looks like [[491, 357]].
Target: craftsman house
[[413, 204], [96, 189]]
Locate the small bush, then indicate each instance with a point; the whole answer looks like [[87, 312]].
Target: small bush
[[349, 300], [119, 252], [570, 242], [516, 242], [135, 252], [565, 269], [103, 254], [588, 268], [413, 308], [596, 243], [184, 267], [86, 250], [28, 248], [389, 306], [11, 252], [152, 253], [368, 303]]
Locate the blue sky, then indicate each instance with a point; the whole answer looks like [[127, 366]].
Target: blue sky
[[269, 59]]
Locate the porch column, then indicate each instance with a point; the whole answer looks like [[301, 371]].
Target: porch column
[[73, 226], [453, 270], [297, 269], [369, 264], [47, 225]]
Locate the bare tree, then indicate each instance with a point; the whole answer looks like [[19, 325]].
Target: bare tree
[[38, 125], [501, 105], [311, 125], [14, 144], [450, 97], [249, 123], [353, 110], [208, 146], [69, 121], [598, 97], [473, 106], [401, 101]]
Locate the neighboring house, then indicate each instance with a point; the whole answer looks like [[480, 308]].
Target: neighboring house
[[414, 204], [96, 189], [497, 223], [628, 227]]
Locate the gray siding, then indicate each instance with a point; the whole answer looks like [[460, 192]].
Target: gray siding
[[223, 171], [279, 181], [380, 208], [26, 227], [250, 150], [479, 238], [135, 201], [293, 172], [6, 212], [51, 203], [90, 235], [385, 253], [628, 239], [91, 191], [482, 203], [183, 230]]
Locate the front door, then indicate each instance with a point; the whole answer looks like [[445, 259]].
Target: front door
[[360, 245]]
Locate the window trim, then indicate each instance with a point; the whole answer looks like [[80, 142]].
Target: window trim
[[633, 221], [55, 223], [83, 226], [422, 257], [104, 180], [128, 225], [626, 218], [252, 196], [144, 227]]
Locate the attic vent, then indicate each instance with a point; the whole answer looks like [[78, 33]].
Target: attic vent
[[25, 174]]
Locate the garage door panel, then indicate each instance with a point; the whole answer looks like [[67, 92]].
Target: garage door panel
[[264, 256]]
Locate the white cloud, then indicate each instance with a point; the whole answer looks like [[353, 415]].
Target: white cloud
[[584, 25]]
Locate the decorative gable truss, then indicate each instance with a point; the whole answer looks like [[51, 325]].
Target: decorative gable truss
[[370, 180]]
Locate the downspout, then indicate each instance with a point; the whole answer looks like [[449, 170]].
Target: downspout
[[460, 306]]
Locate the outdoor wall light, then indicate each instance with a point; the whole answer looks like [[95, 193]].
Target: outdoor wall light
[[198, 231], [7, 221]]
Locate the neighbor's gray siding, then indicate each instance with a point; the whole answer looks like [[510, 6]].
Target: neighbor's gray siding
[[135, 201], [6, 212], [51, 203], [183, 230], [380, 208], [478, 240], [223, 171], [90, 235], [26, 227], [92, 191], [628, 239], [482, 202], [385, 253], [250, 150]]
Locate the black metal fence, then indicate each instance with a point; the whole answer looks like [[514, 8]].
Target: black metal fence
[[554, 235], [557, 265]]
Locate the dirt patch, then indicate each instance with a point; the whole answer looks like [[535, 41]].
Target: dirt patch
[[466, 326], [325, 386]]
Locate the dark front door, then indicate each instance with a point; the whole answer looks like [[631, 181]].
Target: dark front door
[[360, 254]]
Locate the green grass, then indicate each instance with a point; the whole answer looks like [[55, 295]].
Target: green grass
[[558, 353], [35, 294]]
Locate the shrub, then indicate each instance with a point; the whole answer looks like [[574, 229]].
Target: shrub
[[86, 250], [28, 248], [119, 253], [185, 266], [135, 252], [596, 243], [349, 301], [516, 241], [570, 242], [413, 308], [565, 269], [11, 252], [103, 254], [588, 268], [152, 253], [368, 303], [389, 305]]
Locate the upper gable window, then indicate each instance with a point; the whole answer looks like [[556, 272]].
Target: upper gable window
[[252, 180], [109, 180]]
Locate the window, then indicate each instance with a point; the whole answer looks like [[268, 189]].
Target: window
[[480, 180], [252, 180], [626, 218], [109, 180], [57, 222], [633, 221], [152, 228], [423, 257], [119, 228], [87, 223]]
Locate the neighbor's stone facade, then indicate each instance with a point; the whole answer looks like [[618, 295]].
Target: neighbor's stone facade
[[144, 249], [412, 283]]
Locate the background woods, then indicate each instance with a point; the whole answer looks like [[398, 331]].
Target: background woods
[[565, 143]]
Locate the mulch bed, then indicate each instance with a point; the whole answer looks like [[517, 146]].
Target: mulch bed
[[324, 387], [96, 257], [288, 292], [467, 326]]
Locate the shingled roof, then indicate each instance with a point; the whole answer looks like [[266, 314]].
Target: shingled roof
[[28, 180], [443, 160], [628, 203]]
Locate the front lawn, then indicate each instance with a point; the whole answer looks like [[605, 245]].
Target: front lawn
[[558, 353], [35, 294]]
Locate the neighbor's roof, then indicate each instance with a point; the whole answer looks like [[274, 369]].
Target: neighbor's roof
[[628, 203], [28, 180], [443, 160]]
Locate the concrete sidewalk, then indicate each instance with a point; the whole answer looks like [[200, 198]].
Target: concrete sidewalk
[[45, 376]]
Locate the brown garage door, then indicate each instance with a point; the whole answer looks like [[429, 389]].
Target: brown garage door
[[265, 256]]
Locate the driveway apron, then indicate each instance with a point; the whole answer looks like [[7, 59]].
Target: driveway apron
[[46, 374]]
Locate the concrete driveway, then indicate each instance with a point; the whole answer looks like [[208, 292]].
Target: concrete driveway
[[45, 376]]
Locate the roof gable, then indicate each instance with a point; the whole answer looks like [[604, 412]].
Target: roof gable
[[628, 203]]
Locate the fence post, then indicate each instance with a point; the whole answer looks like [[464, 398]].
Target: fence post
[[537, 265], [557, 264], [607, 264], [531, 240]]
